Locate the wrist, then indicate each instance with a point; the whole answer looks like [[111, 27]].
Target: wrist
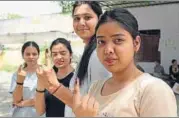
[[20, 80], [54, 88], [40, 91]]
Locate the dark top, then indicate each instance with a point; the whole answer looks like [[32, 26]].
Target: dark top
[[55, 107], [176, 75]]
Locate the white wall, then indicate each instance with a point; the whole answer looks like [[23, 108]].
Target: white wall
[[165, 18]]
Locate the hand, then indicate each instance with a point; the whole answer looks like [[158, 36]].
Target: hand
[[21, 74], [25, 103], [47, 53], [47, 78], [85, 106], [47, 58], [20, 104]]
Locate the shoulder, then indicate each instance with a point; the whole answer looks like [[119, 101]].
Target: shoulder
[[155, 96], [151, 83], [155, 89]]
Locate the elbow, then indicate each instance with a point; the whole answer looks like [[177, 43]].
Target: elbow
[[39, 111]]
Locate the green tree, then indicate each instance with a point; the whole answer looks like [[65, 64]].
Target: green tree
[[9, 16], [66, 6], [13, 16]]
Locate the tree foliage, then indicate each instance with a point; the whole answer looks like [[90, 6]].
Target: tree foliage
[[66, 6], [9, 16]]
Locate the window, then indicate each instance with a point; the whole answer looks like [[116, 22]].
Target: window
[[148, 51]]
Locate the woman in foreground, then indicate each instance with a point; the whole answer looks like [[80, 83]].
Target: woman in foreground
[[129, 92]]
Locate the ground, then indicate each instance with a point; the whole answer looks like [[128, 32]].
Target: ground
[[6, 98]]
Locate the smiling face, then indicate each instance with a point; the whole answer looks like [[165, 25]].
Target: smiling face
[[61, 56], [30, 55], [84, 22], [115, 46]]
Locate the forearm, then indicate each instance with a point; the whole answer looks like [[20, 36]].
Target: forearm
[[40, 103], [65, 95], [28, 103], [17, 94]]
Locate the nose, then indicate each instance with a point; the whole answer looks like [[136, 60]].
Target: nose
[[31, 56], [82, 21], [59, 56], [109, 49]]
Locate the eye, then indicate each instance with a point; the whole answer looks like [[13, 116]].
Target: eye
[[118, 41], [100, 42], [76, 18], [63, 53], [54, 54], [87, 17], [34, 54], [27, 54]]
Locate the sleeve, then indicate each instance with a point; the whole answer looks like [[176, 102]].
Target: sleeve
[[158, 100], [13, 83]]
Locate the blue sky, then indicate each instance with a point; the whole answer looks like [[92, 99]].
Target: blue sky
[[29, 8]]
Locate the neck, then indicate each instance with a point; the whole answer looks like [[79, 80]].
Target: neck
[[32, 68], [63, 72], [124, 77]]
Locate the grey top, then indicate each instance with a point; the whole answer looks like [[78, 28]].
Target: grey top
[[29, 87]]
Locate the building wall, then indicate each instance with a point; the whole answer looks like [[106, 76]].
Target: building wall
[[165, 18]]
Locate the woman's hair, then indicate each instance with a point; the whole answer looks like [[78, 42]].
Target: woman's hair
[[63, 41], [27, 44], [94, 5], [83, 65], [123, 17]]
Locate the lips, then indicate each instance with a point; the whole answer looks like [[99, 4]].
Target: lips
[[82, 29], [59, 62], [110, 61]]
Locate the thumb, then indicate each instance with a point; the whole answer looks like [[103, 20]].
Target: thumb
[[76, 94]]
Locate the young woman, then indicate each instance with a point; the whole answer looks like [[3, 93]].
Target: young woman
[[61, 53], [85, 17], [129, 92], [24, 82]]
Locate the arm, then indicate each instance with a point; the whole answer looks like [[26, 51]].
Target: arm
[[64, 94], [26, 103], [40, 98], [50, 82], [158, 100], [18, 92]]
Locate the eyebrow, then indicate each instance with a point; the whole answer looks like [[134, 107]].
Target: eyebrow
[[115, 35], [59, 51], [85, 14]]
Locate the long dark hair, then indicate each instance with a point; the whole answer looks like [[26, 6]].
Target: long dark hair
[[27, 44], [63, 41], [83, 65]]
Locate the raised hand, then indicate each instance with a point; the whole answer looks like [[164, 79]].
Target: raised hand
[[85, 106], [47, 58], [47, 78], [21, 74]]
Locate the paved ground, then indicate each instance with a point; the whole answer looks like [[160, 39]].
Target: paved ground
[[6, 99]]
